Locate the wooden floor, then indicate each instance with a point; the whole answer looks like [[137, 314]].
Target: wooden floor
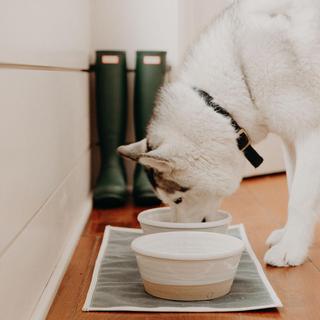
[[260, 204]]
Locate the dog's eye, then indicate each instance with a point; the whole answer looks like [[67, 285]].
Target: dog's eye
[[179, 200]]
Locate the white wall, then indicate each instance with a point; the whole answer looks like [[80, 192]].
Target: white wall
[[171, 25], [45, 32], [45, 147], [136, 25], [194, 17]]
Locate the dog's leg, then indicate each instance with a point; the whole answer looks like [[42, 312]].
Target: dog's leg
[[290, 163], [289, 155], [292, 249]]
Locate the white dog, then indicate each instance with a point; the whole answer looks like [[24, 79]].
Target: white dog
[[258, 64]]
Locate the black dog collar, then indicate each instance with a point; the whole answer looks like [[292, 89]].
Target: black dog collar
[[243, 140]]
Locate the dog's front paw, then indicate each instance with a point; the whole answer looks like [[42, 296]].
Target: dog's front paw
[[286, 254], [275, 237]]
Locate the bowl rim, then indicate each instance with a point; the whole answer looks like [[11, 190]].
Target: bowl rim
[[136, 247], [179, 225]]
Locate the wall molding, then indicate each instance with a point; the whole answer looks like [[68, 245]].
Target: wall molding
[[4, 65], [42, 308]]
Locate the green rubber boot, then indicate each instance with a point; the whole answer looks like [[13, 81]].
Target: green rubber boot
[[111, 99], [150, 72]]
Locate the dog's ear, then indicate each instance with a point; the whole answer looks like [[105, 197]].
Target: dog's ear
[[157, 159], [133, 151]]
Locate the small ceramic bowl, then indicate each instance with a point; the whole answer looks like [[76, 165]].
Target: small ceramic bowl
[[162, 220], [187, 266]]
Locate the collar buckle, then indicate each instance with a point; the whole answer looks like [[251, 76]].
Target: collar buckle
[[243, 140]]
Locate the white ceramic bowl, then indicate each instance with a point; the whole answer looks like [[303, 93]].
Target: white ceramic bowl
[[187, 266], [162, 220]]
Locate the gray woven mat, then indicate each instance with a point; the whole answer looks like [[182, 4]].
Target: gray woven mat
[[116, 284]]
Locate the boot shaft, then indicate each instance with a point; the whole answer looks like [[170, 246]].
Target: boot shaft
[[111, 100], [150, 73]]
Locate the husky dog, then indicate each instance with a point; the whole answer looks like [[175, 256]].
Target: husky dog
[[256, 68]]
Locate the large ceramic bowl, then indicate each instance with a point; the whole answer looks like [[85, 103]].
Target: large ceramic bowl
[[162, 220], [187, 266]]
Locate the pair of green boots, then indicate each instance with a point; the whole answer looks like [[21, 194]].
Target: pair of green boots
[[111, 100]]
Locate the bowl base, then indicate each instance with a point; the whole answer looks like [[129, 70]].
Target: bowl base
[[188, 293]]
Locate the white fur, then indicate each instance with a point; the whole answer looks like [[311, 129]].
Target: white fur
[[260, 61]]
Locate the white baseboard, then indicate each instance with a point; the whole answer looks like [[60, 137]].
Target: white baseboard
[[50, 291]]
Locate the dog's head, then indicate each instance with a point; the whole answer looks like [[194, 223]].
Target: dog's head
[[190, 154]]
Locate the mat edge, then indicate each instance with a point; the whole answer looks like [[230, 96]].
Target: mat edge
[[96, 269]]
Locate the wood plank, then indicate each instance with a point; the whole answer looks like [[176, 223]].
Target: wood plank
[[47, 33], [26, 267], [51, 111], [260, 204], [314, 253], [76, 278], [272, 193]]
